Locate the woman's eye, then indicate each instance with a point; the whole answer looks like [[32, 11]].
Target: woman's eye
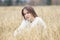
[[27, 12]]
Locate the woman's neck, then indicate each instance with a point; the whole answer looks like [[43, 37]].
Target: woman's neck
[[32, 19]]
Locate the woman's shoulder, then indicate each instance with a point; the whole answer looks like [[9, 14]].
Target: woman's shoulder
[[24, 23], [38, 19]]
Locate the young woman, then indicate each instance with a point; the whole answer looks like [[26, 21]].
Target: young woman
[[31, 20]]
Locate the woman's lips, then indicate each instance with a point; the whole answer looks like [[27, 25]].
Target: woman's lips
[[28, 18]]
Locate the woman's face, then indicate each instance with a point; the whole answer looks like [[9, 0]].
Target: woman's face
[[27, 15]]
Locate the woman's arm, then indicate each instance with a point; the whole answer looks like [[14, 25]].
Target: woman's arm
[[19, 29]]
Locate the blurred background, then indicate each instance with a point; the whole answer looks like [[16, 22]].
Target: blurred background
[[28, 2], [11, 18]]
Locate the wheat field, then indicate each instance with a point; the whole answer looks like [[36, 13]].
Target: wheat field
[[10, 19]]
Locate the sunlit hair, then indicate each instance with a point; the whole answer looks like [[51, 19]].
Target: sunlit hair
[[30, 10]]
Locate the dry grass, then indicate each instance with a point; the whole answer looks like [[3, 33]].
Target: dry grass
[[10, 19]]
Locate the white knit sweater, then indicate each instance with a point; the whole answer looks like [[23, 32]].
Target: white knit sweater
[[29, 25]]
